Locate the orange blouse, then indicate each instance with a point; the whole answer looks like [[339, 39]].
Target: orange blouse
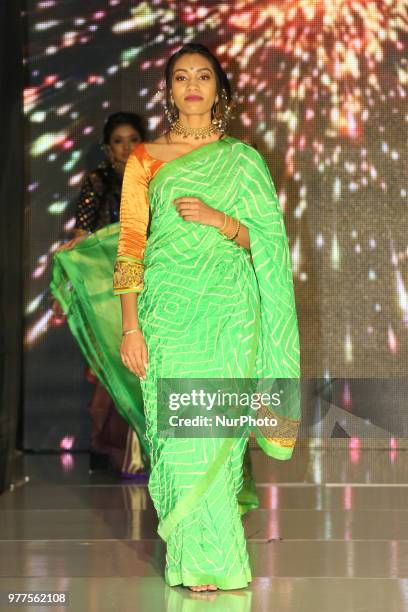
[[134, 219]]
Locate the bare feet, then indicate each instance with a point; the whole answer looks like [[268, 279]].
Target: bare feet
[[204, 587]]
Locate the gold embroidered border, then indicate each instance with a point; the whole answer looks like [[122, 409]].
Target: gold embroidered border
[[128, 276], [284, 442], [285, 432]]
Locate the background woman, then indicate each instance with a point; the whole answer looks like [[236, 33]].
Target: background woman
[[208, 295], [98, 204]]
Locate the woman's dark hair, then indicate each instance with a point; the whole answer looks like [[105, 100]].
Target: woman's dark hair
[[222, 81], [117, 119]]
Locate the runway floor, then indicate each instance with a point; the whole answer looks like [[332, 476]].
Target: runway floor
[[331, 536]]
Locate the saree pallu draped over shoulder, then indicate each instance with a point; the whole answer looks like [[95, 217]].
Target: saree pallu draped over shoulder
[[209, 308]]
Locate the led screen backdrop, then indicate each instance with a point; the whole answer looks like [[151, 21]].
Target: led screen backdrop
[[322, 90]]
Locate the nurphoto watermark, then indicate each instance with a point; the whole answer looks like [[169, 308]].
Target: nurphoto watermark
[[223, 407]]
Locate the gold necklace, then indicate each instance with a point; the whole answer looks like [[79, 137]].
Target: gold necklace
[[185, 132]]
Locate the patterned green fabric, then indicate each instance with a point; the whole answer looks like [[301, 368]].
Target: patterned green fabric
[[207, 312], [82, 283]]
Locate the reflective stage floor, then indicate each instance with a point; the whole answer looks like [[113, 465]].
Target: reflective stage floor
[[331, 535]]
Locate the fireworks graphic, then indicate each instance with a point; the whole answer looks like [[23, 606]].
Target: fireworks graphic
[[331, 52], [321, 88]]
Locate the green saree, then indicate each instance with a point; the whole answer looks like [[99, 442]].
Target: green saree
[[206, 311], [210, 309]]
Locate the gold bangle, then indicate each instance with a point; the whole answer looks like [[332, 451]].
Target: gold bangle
[[232, 221], [225, 230], [237, 232], [130, 331], [225, 222]]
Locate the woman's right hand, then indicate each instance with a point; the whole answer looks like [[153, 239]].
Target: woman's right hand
[[133, 352]]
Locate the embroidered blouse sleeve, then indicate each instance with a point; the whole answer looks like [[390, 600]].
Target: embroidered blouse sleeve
[[87, 206], [134, 219]]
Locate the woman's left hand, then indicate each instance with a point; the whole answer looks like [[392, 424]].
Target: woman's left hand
[[194, 209]]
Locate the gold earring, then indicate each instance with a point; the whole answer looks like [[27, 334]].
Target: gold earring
[[221, 112], [171, 113], [216, 112]]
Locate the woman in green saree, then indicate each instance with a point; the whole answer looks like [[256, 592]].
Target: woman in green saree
[[204, 274]]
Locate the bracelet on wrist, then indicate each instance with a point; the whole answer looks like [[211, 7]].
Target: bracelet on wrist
[[221, 229], [237, 231], [130, 331], [227, 232]]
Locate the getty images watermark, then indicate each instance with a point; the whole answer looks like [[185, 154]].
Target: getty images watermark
[[220, 407], [201, 399]]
